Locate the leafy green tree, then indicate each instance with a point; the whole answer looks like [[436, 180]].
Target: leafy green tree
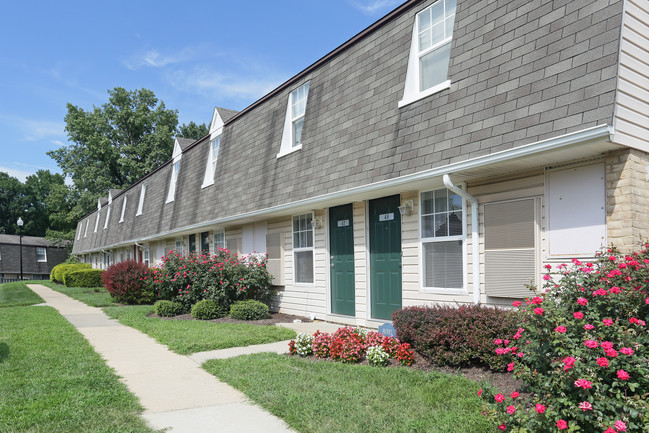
[[115, 144], [193, 130], [12, 203], [37, 189]]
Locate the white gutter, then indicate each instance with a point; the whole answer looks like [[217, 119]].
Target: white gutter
[[596, 132], [475, 236]]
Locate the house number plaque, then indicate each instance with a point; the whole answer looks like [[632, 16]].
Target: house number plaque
[[343, 223], [386, 217]]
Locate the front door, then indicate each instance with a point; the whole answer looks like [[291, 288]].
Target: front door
[[341, 240], [385, 256]]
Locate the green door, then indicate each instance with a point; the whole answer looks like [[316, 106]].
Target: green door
[[341, 244], [385, 256]]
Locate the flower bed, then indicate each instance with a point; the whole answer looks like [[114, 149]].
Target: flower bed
[[582, 350]]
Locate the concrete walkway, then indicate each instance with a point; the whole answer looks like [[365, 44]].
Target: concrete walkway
[[175, 392]]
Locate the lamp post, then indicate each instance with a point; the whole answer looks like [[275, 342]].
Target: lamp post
[[20, 233]]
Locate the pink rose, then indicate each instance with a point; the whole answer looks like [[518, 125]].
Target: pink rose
[[626, 351], [479, 393], [588, 327], [539, 311], [518, 303], [547, 277], [584, 405], [623, 375], [502, 426], [578, 315], [539, 408], [499, 398], [602, 362], [583, 383], [607, 322], [511, 409], [510, 366], [560, 329], [591, 344], [582, 301], [620, 426], [514, 394], [562, 425]]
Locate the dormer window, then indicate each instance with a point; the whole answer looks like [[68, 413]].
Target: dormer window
[[107, 216], [85, 233], [430, 52], [121, 216], [212, 157], [140, 203], [175, 169], [294, 121]]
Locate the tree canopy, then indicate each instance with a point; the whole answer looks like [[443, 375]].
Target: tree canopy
[[193, 130]]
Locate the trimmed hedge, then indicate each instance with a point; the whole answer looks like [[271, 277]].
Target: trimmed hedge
[[249, 310], [83, 278], [128, 282], [58, 271], [167, 308], [455, 336], [207, 310]]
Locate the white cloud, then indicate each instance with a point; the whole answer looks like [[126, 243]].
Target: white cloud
[[34, 130], [374, 6], [153, 58], [21, 175], [242, 86]]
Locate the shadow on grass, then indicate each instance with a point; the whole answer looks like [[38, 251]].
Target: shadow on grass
[[4, 351]]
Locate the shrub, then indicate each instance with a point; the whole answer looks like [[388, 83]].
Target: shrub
[[167, 308], [455, 336], [303, 344], [222, 278], [83, 278], [347, 345], [58, 271], [582, 349], [249, 310], [321, 343], [376, 356], [128, 282], [207, 309]]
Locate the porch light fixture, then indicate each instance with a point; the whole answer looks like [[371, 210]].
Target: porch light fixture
[[316, 222], [407, 207]]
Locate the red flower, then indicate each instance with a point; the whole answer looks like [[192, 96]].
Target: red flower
[[584, 405], [582, 301], [518, 303], [514, 394], [539, 408], [511, 409], [620, 425], [578, 315], [626, 351], [602, 362], [479, 393], [623, 375], [588, 327], [583, 383], [591, 344], [607, 322], [562, 425], [502, 426], [560, 329], [499, 398], [539, 311]]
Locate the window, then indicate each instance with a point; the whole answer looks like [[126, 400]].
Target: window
[[179, 245], [294, 121], [80, 229], [212, 157], [147, 251], [205, 242], [140, 204], [172, 183], [219, 240], [107, 217], [85, 232], [192, 243], [97, 220], [430, 51], [128, 254], [121, 217], [303, 248], [442, 239], [41, 254]]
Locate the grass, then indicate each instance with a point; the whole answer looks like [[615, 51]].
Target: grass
[[17, 294], [93, 296], [320, 396], [51, 380], [190, 336]]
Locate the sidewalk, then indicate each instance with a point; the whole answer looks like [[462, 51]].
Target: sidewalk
[[174, 391]]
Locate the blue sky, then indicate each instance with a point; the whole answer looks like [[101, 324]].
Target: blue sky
[[194, 55]]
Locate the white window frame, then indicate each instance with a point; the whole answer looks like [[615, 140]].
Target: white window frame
[[212, 158], [303, 249], [128, 253], [121, 217], [220, 243], [175, 170], [97, 220], [179, 245], [412, 91], [288, 144], [140, 203], [107, 216], [146, 255], [80, 230], [85, 233], [426, 240], [43, 250]]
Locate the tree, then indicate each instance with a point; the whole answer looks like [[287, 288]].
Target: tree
[[115, 144], [12, 203], [193, 130], [38, 188]]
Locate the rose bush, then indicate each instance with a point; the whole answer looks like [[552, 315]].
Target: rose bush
[[582, 350]]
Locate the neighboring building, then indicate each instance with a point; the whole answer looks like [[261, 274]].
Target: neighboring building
[[442, 155], [39, 257]]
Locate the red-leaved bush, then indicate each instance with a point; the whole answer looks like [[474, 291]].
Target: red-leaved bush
[[454, 336], [128, 282]]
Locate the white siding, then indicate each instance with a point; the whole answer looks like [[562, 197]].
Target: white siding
[[631, 120]]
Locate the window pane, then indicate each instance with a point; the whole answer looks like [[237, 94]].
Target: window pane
[[433, 67], [451, 5], [304, 267], [448, 27], [424, 20], [455, 224], [443, 264], [427, 202], [437, 33], [297, 131], [427, 226], [441, 197], [441, 225], [455, 201]]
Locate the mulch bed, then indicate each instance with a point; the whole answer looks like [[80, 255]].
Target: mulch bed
[[504, 382]]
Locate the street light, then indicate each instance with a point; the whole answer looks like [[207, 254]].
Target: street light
[[20, 233]]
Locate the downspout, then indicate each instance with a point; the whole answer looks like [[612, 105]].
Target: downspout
[[475, 236]]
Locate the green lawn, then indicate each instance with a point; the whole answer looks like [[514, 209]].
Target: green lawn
[[328, 397], [51, 380], [190, 336], [93, 296], [16, 294]]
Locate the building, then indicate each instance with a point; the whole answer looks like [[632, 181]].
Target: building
[[445, 154], [39, 257]]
